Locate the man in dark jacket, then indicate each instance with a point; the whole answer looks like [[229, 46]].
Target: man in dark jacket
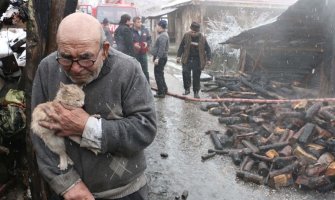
[[118, 118], [105, 25], [142, 42], [160, 53], [195, 53], [123, 36]]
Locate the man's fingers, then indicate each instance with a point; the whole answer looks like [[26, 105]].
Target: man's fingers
[[58, 128], [46, 109], [53, 115], [50, 113], [58, 107], [49, 125]]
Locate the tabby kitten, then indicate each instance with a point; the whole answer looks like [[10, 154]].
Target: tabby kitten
[[68, 95]]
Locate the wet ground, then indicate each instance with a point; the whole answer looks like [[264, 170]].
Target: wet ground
[[181, 135]]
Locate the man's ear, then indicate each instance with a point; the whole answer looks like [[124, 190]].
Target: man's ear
[[105, 47]]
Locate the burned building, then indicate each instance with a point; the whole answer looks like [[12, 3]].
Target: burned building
[[295, 49], [181, 13]]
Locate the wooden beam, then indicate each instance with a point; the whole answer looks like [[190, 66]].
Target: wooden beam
[[243, 56], [258, 62]]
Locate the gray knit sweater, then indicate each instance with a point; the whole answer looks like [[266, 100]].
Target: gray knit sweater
[[120, 90], [161, 46]]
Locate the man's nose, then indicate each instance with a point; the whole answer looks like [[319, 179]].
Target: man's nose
[[75, 68]]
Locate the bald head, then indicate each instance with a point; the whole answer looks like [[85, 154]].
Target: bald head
[[79, 27], [80, 37]]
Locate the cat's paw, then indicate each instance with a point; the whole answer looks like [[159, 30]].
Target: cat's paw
[[69, 161], [62, 165], [95, 151], [63, 162], [96, 116]]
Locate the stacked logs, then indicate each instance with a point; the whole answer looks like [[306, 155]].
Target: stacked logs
[[277, 145]]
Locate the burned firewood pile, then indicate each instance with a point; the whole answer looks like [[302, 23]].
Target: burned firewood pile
[[279, 145], [254, 87]]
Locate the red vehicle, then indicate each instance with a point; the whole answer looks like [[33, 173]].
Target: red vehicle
[[113, 11], [85, 8]]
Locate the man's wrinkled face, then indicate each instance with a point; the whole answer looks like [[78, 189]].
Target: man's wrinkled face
[[86, 57]]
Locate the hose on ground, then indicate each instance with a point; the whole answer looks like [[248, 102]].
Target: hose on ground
[[241, 100]]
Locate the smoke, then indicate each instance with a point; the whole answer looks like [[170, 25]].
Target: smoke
[[220, 29], [226, 25]]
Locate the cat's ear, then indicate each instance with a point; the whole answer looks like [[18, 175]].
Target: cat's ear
[[61, 85]]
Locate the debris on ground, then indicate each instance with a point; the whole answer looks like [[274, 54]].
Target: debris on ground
[[13, 161], [288, 143]]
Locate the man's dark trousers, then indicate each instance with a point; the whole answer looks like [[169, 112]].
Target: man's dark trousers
[[159, 76], [192, 65], [143, 60]]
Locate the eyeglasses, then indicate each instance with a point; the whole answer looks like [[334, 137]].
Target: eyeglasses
[[65, 62]]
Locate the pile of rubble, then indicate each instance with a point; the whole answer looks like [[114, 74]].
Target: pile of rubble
[[12, 101], [283, 144], [241, 85]]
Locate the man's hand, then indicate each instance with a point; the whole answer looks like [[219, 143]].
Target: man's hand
[[66, 122], [178, 60], [145, 45], [156, 61], [78, 192], [137, 46]]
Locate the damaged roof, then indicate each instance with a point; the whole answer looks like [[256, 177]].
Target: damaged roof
[[301, 26], [233, 3], [293, 46]]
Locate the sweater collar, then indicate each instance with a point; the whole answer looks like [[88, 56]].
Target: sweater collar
[[106, 67]]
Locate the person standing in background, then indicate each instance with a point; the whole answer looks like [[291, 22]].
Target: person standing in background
[[195, 53], [123, 36], [105, 26], [142, 41], [160, 52]]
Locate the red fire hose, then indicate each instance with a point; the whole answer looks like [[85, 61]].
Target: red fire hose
[[186, 98]]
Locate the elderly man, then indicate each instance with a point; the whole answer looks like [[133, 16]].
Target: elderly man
[[117, 91]]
